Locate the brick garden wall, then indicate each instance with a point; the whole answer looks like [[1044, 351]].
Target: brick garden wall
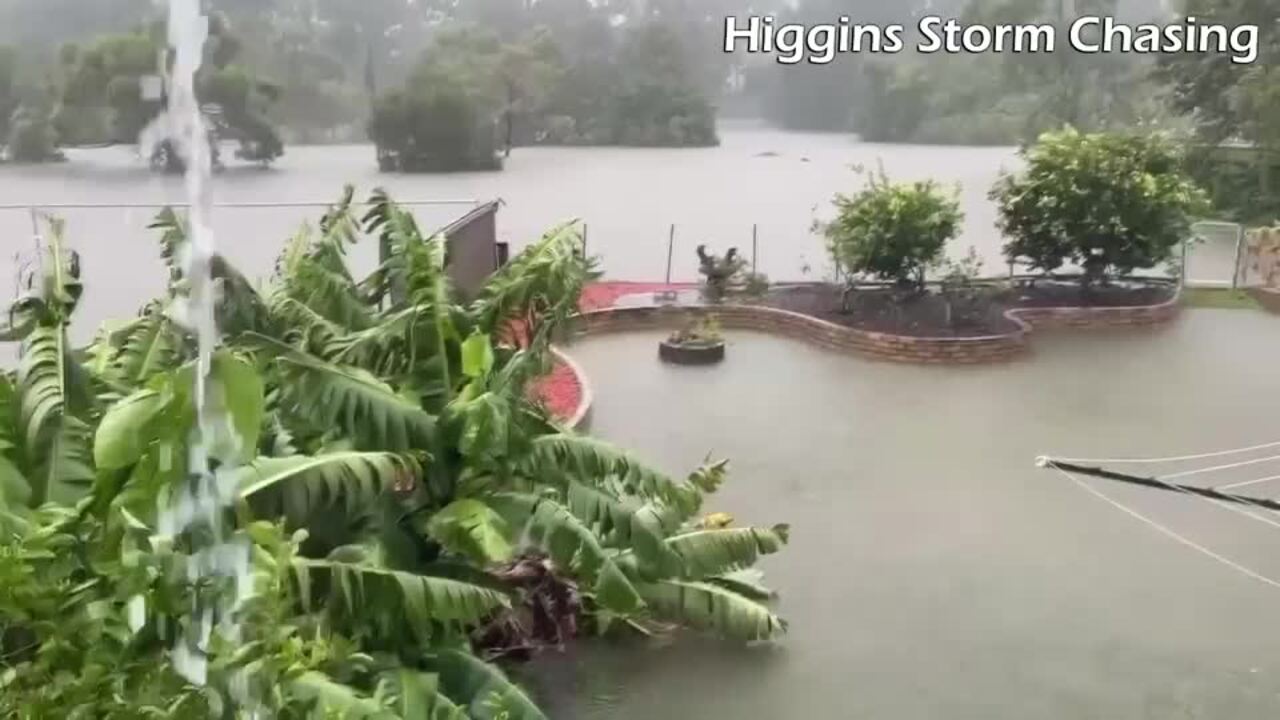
[[898, 348]]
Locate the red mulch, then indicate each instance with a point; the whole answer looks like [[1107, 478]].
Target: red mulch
[[605, 294], [561, 391]]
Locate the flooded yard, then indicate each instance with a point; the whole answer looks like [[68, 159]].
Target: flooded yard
[[933, 570]]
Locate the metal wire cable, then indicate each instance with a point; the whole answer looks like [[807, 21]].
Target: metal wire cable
[[1169, 532], [1177, 458]]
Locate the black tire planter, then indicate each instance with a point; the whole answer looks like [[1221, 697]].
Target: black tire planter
[[691, 353]]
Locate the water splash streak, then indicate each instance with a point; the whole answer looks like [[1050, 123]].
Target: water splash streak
[[198, 506]]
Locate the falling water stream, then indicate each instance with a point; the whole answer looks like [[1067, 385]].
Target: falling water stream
[[196, 508]]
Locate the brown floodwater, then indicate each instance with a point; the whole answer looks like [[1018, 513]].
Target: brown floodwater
[[933, 571]]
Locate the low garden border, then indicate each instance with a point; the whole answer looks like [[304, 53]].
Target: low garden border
[[886, 346]]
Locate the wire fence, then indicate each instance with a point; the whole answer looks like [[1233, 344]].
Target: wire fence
[[119, 257], [122, 268], [1214, 257]]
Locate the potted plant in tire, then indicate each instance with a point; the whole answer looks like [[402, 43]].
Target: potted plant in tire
[[698, 343]]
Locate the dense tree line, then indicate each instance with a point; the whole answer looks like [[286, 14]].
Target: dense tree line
[[489, 75], [1236, 108]]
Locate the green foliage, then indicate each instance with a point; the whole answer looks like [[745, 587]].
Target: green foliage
[[25, 125], [755, 285], [1239, 181], [1109, 203], [642, 92], [959, 98], [444, 119], [1217, 92], [385, 470], [469, 81], [893, 231], [698, 331], [1219, 298], [102, 101]]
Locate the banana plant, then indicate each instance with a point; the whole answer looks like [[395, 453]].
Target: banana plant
[[46, 407], [386, 425]]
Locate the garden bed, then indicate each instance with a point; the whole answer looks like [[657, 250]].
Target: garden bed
[[980, 313]]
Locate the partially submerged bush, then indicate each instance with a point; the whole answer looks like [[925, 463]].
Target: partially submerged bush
[[1109, 203], [31, 137], [893, 231]]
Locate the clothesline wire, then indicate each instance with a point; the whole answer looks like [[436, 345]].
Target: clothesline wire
[[1045, 460], [1169, 532], [1246, 483], [1176, 458], [1214, 468], [1162, 482]]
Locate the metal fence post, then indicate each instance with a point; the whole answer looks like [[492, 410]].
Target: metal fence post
[[671, 243], [1183, 281], [1235, 265], [755, 234]]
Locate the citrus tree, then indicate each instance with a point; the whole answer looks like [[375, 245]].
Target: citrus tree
[[893, 231], [1109, 203], [402, 509]]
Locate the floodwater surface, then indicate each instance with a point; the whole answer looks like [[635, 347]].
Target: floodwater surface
[[629, 198], [934, 571]]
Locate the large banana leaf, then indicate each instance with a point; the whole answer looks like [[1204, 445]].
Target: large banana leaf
[[542, 284], [712, 607], [591, 461], [55, 443], [482, 688], [304, 483], [624, 522], [124, 431], [334, 699], [416, 695], [704, 553], [127, 357], [470, 528], [309, 329], [395, 601], [166, 411], [571, 544], [314, 273], [367, 409]]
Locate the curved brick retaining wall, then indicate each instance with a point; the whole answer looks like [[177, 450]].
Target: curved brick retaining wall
[[899, 348]]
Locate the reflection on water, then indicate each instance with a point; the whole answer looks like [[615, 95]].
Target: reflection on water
[[933, 571]]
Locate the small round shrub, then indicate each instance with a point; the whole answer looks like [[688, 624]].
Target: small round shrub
[[893, 231]]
